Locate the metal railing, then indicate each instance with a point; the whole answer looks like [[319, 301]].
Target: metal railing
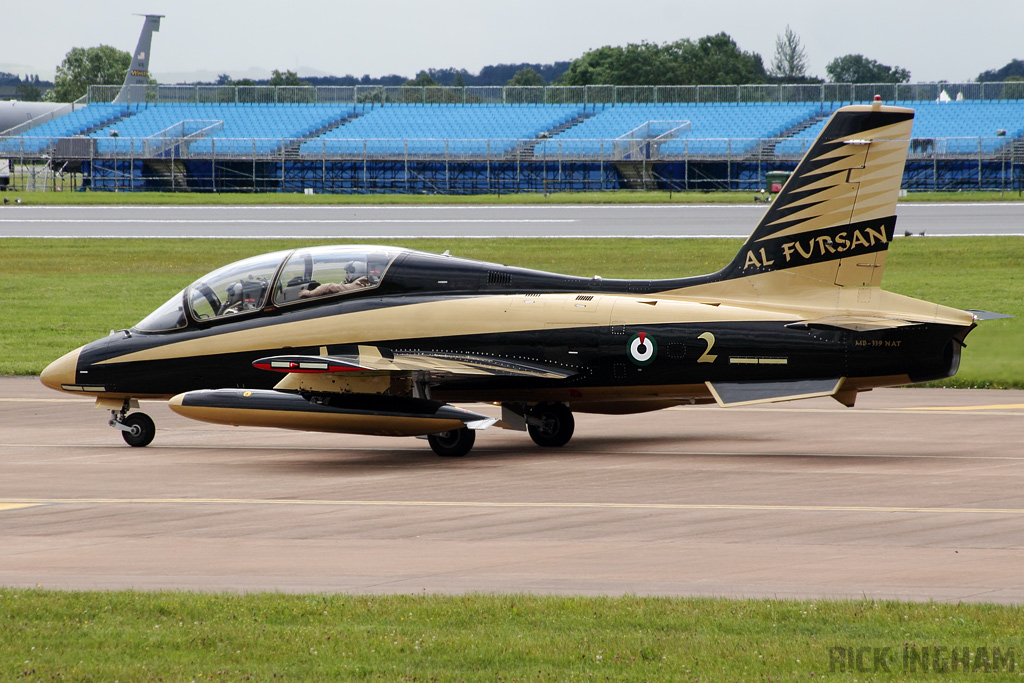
[[182, 135], [55, 113], [412, 175], [552, 94], [644, 141]]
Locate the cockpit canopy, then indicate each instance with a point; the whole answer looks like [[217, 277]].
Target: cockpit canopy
[[278, 279]]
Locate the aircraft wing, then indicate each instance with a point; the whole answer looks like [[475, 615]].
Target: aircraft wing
[[373, 359], [353, 393]]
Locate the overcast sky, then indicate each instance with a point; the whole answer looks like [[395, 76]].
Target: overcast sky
[[949, 40]]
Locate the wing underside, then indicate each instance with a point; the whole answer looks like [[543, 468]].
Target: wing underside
[[436, 364], [372, 391]]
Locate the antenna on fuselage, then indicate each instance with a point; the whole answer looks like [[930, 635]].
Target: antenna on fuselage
[[137, 78]]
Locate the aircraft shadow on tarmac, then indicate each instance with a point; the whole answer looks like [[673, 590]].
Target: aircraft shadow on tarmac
[[356, 460]]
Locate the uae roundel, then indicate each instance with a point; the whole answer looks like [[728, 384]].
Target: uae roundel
[[642, 349]]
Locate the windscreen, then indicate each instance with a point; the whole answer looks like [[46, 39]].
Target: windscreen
[[237, 288], [170, 316]]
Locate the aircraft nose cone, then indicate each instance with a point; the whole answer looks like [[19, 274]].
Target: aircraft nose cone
[[61, 371]]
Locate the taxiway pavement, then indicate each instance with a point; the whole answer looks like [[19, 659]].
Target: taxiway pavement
[[398, 222], [914, 494]]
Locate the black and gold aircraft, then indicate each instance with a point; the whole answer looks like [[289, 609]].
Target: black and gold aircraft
[[380, 340]]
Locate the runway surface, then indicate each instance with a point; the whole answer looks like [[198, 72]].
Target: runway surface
[[914, 494], [396, 222]]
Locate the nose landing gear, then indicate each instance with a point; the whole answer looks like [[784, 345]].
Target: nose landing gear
[[136, 429]]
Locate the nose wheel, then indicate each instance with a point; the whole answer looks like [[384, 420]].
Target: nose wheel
[[136, 429], [141, 430]]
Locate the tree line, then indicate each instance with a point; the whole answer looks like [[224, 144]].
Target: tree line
[[27, 89], [710, 60]]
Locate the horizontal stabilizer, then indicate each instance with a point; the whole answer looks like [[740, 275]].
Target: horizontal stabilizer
[[729, 394], [855, 323], [987, 315], [372, 358]]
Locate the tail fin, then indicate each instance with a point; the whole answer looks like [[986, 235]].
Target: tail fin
[[833, 220], [137, 78]]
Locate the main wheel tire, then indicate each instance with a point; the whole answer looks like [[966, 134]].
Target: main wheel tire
[[142, 430], [554, 427], [452, 444]]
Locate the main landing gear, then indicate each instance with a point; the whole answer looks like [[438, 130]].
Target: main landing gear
[[136, 429], [452, 444], [550, 424]]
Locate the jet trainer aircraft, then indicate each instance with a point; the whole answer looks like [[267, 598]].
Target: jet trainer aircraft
[[381, 340]]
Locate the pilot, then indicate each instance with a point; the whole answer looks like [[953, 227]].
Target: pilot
[[354, 270], [334, 287]]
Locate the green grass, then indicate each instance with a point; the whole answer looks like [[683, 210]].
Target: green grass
[[974, 272], [58, 294], [299, 199], [166, 636]]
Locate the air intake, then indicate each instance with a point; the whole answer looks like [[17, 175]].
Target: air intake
[[497, 278]]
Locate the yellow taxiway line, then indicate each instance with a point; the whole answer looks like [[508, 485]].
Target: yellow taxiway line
[[497, 504], [1004, 406], [17, 506], [79, 399], [1009, 409]]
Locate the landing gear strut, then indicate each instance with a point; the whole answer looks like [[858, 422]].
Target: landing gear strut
[[136, 429], [550, 424]]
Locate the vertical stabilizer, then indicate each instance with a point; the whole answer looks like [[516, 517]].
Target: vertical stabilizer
[[135, 81], [835, 217]]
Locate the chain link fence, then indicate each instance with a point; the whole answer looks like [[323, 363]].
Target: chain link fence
[[826, 93]]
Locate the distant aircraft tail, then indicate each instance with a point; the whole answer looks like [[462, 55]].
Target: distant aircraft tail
[[835, 217], [137, 78]]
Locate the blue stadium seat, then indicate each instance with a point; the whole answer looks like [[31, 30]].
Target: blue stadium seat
[[470, 130]]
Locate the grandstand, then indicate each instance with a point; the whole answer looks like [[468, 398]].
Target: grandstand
[[441, 130], [716, 128], [465, 140]]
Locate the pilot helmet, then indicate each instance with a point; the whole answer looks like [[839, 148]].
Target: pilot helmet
[[355, 269]]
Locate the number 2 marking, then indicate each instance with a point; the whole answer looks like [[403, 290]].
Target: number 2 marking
[[707, 356]]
